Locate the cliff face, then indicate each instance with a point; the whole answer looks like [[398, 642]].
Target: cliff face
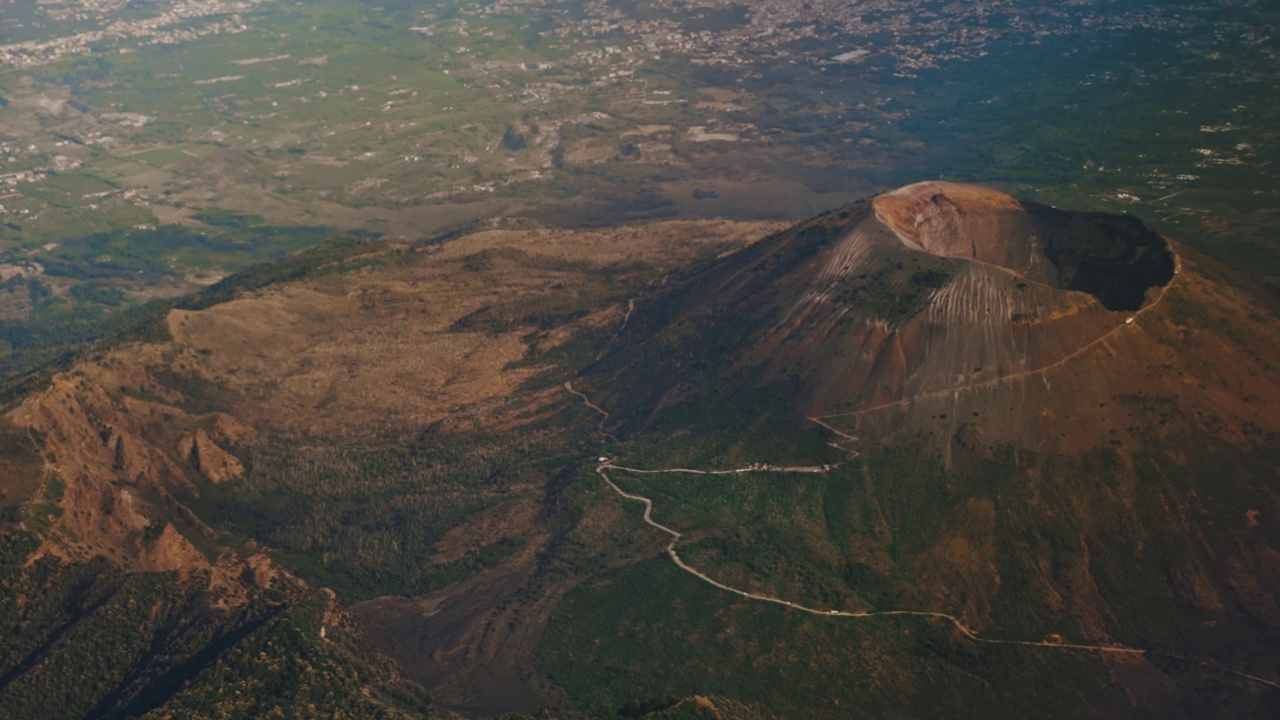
[[960, 221], [1113, 258], [121, 462], [121, 601], [214, 464]]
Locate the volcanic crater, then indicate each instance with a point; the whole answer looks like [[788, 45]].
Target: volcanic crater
[[1114, 258], [922, 294]]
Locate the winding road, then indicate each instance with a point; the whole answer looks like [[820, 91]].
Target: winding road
[[675, 557], [603, 468], [606, 465]]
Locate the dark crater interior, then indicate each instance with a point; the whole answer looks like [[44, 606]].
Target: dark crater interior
[[1115, 258]]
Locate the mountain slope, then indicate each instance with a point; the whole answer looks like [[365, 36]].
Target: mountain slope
[[980, 419], [1054, 426], [934, 292], [376, 418]]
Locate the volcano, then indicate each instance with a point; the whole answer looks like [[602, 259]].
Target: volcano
[[1068, 415], [953, 302], [940, 448]]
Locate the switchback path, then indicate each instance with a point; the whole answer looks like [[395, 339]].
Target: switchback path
[[631, 307], [675, 557], [604, 414], [603, 470], [1117, 649], [847, 437]]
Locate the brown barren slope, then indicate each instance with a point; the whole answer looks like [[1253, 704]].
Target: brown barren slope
[[398, 342]]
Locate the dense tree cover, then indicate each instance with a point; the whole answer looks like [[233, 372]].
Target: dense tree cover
[[372, 516], [59, 331], [860, 537], [88, 640], [240, 242]]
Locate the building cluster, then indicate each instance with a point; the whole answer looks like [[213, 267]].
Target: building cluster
[[722, 32], [171, 25], [729, 32], [13, 179]]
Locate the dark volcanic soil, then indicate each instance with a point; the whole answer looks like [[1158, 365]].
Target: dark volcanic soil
[[465, 645], [1113, 258]]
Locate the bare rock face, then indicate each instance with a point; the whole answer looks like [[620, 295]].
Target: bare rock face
[[227, 430], [119, 488], [960, 221], [213, 463], [171, 551], [138, 463]]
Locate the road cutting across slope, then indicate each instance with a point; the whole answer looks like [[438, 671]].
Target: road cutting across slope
[[606, 466], [676, 536], [970, 634]]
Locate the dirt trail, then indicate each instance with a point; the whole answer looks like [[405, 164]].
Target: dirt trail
[[837, 445], [631, 307], [675, 557], [604, 414]]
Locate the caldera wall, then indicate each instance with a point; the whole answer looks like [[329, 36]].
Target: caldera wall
[[1113, 258]]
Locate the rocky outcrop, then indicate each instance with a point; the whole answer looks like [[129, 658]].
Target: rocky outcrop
[[170, 551], [212, 462], [122, 461]]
